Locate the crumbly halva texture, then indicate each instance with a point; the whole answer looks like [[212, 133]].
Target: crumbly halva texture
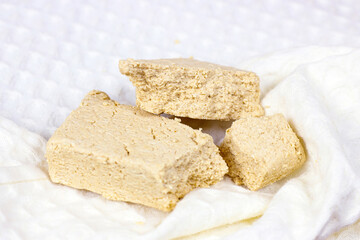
[[190, 88], [127, 154], [261, 151]]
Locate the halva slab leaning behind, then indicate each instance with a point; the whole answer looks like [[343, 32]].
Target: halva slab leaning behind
[[127, 154], [195, 89]]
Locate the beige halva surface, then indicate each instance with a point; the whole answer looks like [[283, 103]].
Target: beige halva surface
[[195, 89], [125, 153], [260, 151]]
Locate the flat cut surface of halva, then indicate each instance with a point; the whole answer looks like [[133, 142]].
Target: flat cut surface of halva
[[195, 89], [260, 151], [127, 154]]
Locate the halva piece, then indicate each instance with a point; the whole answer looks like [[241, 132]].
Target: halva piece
[[195, 89], [260, 151], [127, 154]]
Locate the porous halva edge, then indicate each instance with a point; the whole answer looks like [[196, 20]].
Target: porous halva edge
[[261, 151], [190, 88]]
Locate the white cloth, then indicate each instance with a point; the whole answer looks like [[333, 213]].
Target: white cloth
[[317, 89]]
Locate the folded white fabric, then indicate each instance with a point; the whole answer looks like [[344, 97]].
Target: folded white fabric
[[317, 89]]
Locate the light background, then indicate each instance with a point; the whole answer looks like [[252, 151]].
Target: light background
[[53, 52]]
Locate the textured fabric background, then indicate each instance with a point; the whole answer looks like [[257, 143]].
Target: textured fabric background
[[53, 52]]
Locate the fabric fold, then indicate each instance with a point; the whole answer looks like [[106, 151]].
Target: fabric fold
[[318, 91]]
